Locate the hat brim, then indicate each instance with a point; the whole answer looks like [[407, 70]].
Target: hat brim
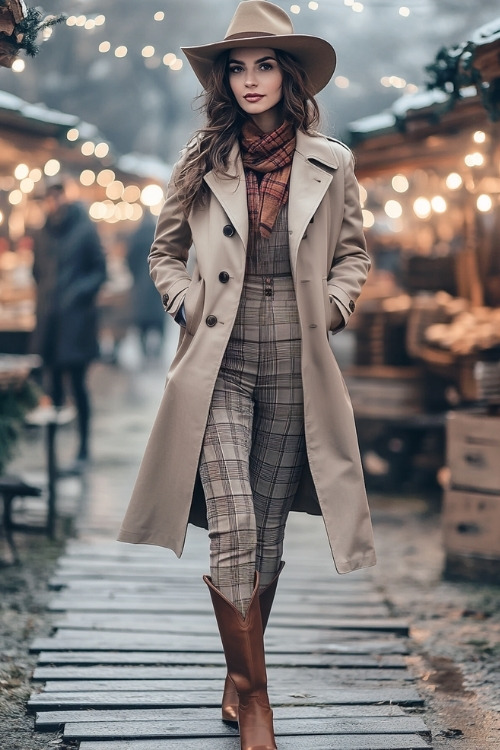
[[316, 55]]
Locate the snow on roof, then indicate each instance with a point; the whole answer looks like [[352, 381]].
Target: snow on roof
[[486, 34], [422, 99], [380, 122], [146, 166]]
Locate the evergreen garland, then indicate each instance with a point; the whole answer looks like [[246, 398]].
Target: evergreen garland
[[21, 28], [31, 26]]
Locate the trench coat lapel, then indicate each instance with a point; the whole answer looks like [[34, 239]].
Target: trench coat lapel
[[232, 193], [309, 181]]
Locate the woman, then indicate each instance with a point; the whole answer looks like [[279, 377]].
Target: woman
[[255, 420]]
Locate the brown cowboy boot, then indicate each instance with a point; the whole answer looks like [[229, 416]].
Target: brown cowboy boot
[[243, 643], [230, 696]]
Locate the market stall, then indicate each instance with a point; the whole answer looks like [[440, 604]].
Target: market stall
[[428, 327]]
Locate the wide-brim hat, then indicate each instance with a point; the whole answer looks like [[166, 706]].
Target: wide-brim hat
[[259, 23]]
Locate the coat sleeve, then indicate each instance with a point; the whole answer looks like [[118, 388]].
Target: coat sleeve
[[170, 250], [351, 261], [95, 273]]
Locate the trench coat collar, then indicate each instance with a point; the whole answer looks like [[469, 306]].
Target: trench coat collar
[[313, 161]]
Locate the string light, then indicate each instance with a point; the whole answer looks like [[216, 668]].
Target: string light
[[52, 167], [151, 195], [404, 11], [21, 171], [453, 181], [104, 47], [18, 65], [295, 9], [422, 208], [105, 177], [121, 51], [148, 51], [73, 134], [368, 219], [26, 185], [87, 148], [159, 16], [15, 197], [313, 5], [474, 160], [101, 150], [87, 177], [479, 136], [484, 203], [393, 209], [342, 82], [438, 204], [400, 183]]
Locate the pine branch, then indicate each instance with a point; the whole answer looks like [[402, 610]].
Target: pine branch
[[31, 26]]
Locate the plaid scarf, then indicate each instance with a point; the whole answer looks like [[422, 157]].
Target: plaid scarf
[[270, 154]]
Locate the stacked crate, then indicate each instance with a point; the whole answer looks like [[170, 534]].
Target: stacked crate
[[471, 509]]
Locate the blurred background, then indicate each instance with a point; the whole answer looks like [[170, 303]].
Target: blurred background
[[108, 103]]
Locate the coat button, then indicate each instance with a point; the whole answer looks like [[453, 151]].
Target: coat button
[[352, 306], [223, 277], [211, 321], [228, 230], [165, 299]]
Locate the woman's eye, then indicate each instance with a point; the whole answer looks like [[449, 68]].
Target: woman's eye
[[266, 66], [235, 69]]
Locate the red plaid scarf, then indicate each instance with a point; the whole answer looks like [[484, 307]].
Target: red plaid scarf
[[270, 154]]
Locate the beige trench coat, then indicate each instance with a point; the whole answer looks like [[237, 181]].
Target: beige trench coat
[[328, 257]]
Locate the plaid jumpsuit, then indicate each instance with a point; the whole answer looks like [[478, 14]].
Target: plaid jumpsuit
[[253, 450]]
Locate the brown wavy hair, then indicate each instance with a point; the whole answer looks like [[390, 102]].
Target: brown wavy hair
[[211, 145]]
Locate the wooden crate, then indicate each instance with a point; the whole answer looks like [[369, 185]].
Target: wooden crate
[[473, 451], [385, 392], [471, 523]]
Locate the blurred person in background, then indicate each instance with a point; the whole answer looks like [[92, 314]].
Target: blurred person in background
[[255, 419], [69, 268], [148, 313]]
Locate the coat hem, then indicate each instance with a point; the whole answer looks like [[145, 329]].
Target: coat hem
[[132, 537], [350, 566]]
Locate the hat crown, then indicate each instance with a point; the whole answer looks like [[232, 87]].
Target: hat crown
[[258, 17]]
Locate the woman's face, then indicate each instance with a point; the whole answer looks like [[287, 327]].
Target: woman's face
[[256, 81]]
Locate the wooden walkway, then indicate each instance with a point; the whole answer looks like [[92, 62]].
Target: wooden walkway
[[135, 662]]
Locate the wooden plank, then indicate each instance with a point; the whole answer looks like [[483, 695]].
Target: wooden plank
[[339, 742], [159, 623], [137, 582], [179, 699], [48, 721], [171, 658], [163, 605], [71, 674], [200, 683], [182, 644], [216, 728], [204, 625]]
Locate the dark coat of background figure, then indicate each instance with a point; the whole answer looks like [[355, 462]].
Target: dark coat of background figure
[[148, 313], [69, 269]]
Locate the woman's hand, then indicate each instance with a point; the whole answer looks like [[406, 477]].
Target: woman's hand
[[336, 317]]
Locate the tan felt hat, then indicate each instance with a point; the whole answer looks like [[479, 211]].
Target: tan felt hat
[[258, 23]]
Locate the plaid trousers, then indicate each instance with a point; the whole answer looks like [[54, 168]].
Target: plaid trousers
[[254, 446]]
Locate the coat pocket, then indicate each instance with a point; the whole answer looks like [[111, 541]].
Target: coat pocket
[[193, 305], [327, 305]]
